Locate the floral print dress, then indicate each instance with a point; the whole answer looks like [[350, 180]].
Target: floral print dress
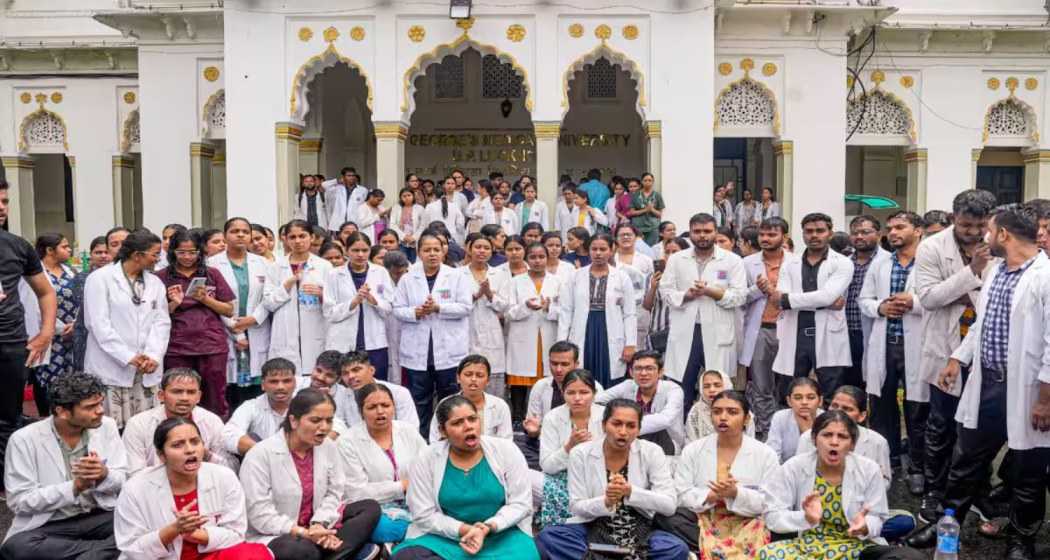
[[829, 540], [68, 309], [725, 535]]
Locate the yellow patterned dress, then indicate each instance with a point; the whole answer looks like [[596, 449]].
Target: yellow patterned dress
[[827, 541]]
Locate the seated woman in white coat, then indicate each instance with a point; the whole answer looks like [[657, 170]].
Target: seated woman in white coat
[[293, 295], [616, 485], [854, 402], [356, 303], [183, 508], [378, 454], [63, 475], [698, 424], [486, 331], [577, 421], [473, 376], [532, 325], [660, 399], [294, 485], [718, 480], [598, 314], [804, 401], [469, 494], [180, 392]]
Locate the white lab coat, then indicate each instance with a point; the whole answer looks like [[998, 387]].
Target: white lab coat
[[1028, 350], [865, 321], [594, 218], [404, 406], [870, 444], [641, 272], [35, 475], [369, 473], [555, 432], [31, 313], [298, 331], [538, 213], [753, 465], [454, 219], [648, 472], [495, 420], [754, 267], [524, 324], [343, 316], [620, 318], [789, 485], [259, 269], [563, 221], [832, 337], [449, 327], [540, 396], [486, 331], [941, 278], [366, 219], [414, 227], [428, 472], [875, 290], [302, 210], [147, 505], [718, 318], [507, 220], [252, 417], [477, 209], [118, 330], [784, 433], [340, 207], [273, 491], [138, 438], [666, 408]]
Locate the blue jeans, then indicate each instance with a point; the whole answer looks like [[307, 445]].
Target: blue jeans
[[569, 542]]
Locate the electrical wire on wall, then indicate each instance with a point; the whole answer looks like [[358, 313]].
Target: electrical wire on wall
[[856, 72]]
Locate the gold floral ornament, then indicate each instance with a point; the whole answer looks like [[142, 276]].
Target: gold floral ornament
[[41, 98], [1031, 83], [516, 33], [26, 97], [416, 33], [878, 77], [603, 32], [725, 69], [769, 69], [1011, 84], [357, 33], [747, 65], [305, 34], [211, 73], [993, 83], [575, 31], [330, 34], [129, 97], [56, 97], [907, 82], [465, 24], [630, 32]]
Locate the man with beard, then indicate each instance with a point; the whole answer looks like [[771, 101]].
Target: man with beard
[[1041, 206], [864, 238], [811, 293], [948, 270], [1006, 399], [261, 417], [63, 476], [760, 322], [892, 357]]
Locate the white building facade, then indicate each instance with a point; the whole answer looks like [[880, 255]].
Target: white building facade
[[142, 113]]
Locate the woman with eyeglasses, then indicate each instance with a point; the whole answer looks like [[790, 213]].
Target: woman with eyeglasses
[[125, 308], [198, 299]]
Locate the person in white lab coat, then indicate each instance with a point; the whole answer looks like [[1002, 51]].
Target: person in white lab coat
[[532, 210], [640, 268], [259, 418], [577, 421], [180, 392], [396, 264], [126, 311], [532, 325], [357, 372], [1006, 399], [371, 217], [468, 493], [810, 292], [617, 483], [407, 220], [586, 216], [472, 376], [804, 405], [703, 287], [854, 402], [563, 221], [598, 314], [310, 206], [63, 475], [502, 216], [342, 197], [356, 303], [892, 355], [294, 295], [555, 265], [660, 399], [433, 303], [378, 454], [698, 423], [831, 480], [448, 211], [272, 476], [490, 303], [249, 328], [718, 480], [183, 502]]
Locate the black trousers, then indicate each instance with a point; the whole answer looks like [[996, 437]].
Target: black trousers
[[854, 375], [941, 434], [886, 417], [530, 448], [693, 368], [683, 524], [359, 520], [829, 378], [87, 536], [416, 553], [972, 460], [13, 375]]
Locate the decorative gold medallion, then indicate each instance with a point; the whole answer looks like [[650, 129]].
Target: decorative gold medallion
[[357, 33], [129, 97], [575, 31], [1011, 84], [907, 82], [603, 32], [211, 73], [516, 33], [725, 69], [1031, 83], [26, 97], [465, 24], [630, 32], [747, 65], [40, 98], [878, 77], [993, 83], [330, 34], [305, 34], [416, 33], [56, 97], [769, 69]]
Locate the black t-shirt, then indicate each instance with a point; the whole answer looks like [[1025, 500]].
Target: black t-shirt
[[17, 259]]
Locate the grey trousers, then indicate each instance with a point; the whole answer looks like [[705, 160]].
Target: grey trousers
[[761, 380]]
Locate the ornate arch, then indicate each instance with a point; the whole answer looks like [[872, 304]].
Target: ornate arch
[[617, 58], [130, 132], [213, 114], [738, 93], [299, 104], [45, 129], [455, 48], [884, 114], [1006, 116]]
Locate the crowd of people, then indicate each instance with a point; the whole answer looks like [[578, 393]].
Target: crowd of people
[[470, 374]]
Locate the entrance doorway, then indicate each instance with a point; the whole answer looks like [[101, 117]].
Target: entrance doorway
[[1001, 172], [340, 117], [876, 171], [748, 162], [53, 195]]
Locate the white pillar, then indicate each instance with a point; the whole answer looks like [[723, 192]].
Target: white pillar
[[200, 183], [218, 189], [975, 156], [310, 155], [784, 150], [655, 153], [547, 135], [21, 211], [1036, 174], [915, 159], [288, 135], [123, 189], [390, 157]]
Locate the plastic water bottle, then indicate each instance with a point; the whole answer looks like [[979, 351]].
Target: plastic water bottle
[[947, 537], [307, 300], [244, 366]]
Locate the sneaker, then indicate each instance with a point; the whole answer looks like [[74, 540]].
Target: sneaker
[[369, 551]]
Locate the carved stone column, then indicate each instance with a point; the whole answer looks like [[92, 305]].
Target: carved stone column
[[288, 135], [390, 157], [547, 135]]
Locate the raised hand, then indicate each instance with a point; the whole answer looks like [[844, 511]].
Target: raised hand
[[812, 507], [858, 526]]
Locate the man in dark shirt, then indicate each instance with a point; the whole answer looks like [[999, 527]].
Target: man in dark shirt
[[19, 260]]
